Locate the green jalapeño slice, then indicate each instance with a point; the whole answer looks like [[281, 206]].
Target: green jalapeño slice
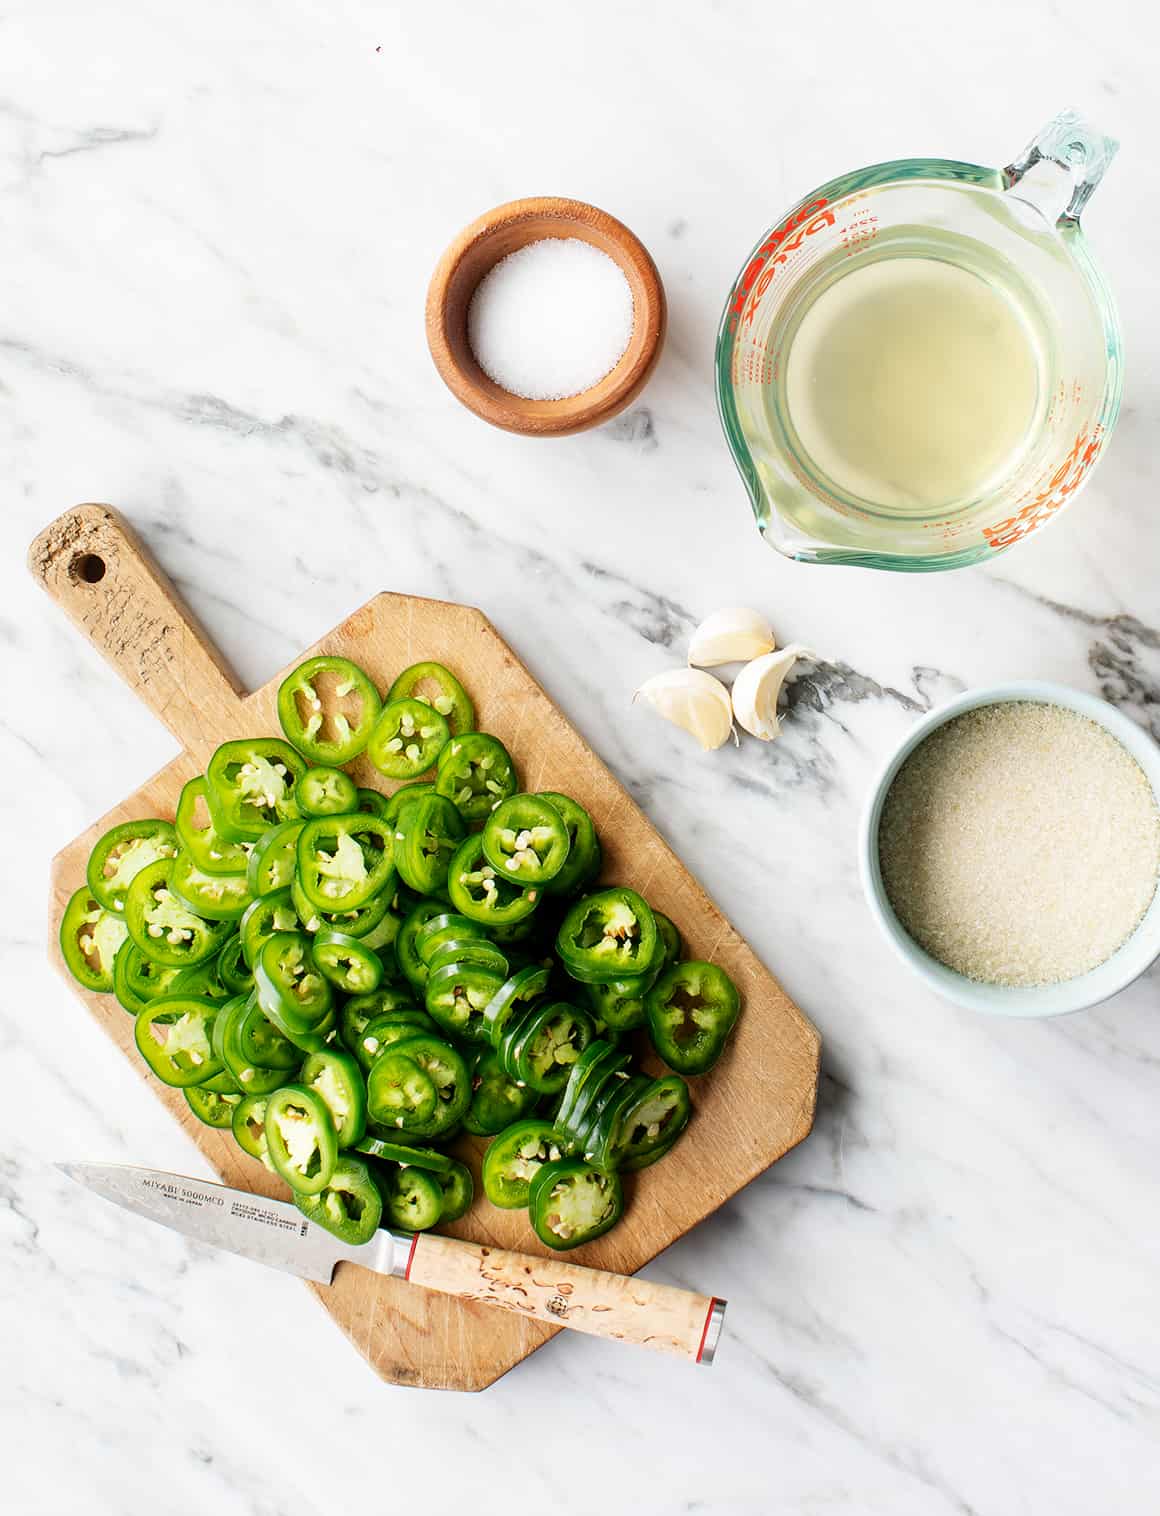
[[526, 840], [328, 708], [407, 739], [250, 786]]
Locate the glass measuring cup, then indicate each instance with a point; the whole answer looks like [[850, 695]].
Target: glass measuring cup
[[1019, 229]]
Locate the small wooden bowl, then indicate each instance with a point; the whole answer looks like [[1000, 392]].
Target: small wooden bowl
[[477, 249]]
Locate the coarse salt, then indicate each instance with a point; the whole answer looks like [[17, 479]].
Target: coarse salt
[[1020, 844], [551, 319]]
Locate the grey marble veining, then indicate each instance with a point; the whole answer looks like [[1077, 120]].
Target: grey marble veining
[[219, 226]]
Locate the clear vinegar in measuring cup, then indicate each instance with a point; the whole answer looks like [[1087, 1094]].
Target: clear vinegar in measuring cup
[[919, 363], [913, 378]]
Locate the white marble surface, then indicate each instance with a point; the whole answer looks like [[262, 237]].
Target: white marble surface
[[219, 221]]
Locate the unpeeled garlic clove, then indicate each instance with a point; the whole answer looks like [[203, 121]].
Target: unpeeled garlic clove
[[757, 687], [692, 700], [732, 635]]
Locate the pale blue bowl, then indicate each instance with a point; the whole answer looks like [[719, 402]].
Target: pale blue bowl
[[1140, 950]]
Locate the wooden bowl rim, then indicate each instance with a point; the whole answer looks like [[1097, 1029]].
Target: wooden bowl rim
[[547, 418]]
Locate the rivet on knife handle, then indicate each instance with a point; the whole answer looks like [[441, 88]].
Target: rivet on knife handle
[[624, 1309]]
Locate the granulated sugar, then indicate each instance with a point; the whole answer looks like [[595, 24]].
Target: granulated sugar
[[1020, 844], [551, 319]]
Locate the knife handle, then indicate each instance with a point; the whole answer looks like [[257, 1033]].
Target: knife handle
[[624, 1309]]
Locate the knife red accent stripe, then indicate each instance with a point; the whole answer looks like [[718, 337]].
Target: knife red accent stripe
[[705, 1329], [411, 1259]]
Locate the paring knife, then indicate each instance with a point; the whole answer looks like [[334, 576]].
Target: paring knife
[[276, 1233]]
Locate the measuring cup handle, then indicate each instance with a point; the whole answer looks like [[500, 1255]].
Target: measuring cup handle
[[1075, 147]]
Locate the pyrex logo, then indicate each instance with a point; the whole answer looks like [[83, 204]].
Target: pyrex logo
[[1053, 494], [758, 273]]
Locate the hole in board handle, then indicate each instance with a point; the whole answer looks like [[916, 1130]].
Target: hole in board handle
[[87, 568]]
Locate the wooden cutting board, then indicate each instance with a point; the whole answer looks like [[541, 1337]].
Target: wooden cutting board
[[751, 1109]]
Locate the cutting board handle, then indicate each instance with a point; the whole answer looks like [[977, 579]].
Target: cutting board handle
[[97, 570], [658, 1316]]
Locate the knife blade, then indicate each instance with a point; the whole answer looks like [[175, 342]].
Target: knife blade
[[276, 1233], [272, 1232]]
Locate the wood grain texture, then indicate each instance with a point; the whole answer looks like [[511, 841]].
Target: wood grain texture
[[95, 568], [755, 1105], [656, 1316], [476, 251]]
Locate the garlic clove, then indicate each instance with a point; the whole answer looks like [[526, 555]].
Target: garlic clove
[[692, 700], [732, 635], [758, 686]]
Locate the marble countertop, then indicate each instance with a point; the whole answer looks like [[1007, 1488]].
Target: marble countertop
[[220, 221]]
